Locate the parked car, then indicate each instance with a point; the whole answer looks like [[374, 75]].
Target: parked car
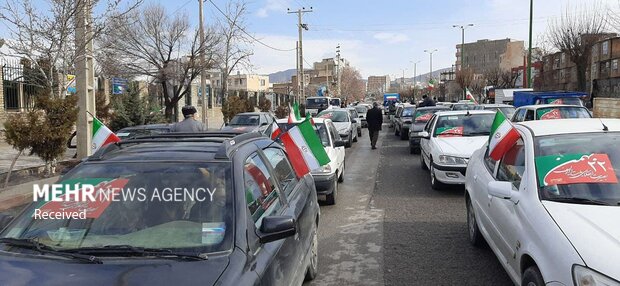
[[549, 111], [343, 122], [507, 109], [362, 109], [399, 110], [467, 106], [403, 120], [449, 139], [548, 209], [250, 122], [327, 178], [257, 229], [143, 130], [358, 124], [421, 117]]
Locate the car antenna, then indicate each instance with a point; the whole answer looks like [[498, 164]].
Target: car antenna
[[604, 126], [468, 113]]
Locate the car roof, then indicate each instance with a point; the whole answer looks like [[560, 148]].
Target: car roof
[[148, 126], [570, 126], [497, 105], [537, 106], [339, 109], [253, 113], [214, 145], [461, 112], [438, 107], [315, 119]]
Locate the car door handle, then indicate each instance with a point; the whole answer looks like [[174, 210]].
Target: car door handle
[[475, 178]]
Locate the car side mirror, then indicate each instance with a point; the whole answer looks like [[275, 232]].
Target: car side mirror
[[5, 219], [339, 143], [276, 227], [424, 135], [264, 124], [353, 121], [500, 189]]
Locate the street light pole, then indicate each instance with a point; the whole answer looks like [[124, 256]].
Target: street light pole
[[430, 52], [529, 50], [463, 27], [203, 78]]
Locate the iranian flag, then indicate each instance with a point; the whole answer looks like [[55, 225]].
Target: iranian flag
[[469, 96], [102, 135], [304, 148], [503, 136]]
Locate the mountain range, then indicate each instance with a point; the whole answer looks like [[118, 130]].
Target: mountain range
[[285, 76]]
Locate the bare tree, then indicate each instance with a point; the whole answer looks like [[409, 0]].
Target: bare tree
[[575, 33], [234, 51], [464, 77], [152, 44], [351, 84], [43, 33], [499, 78]]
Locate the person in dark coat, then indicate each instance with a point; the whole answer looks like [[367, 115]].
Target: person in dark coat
[[375, 120], [189, 124], [427, 101]]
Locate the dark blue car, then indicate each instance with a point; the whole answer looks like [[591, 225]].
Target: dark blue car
[[207, 209]]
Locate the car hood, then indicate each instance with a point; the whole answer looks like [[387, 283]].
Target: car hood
[[594, 231], [242, 128], [42, 270], [460, 146], [342, 126]]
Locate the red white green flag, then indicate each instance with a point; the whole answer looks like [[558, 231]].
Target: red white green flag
[[469, 96], [102, 135], [304, 148], [503, 136]]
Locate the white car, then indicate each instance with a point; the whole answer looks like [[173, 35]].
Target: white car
[[549, 111], [346, 126], [362, 110], [327, 178], [448, 140], [549, 208]]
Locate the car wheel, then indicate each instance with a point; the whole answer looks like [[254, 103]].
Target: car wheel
[[403, 135], [313, 266], [355, 139], [341, 177], [359, 132], [331, 198], [349, 142], [396, 131], [532, 277], [422, 163], [435, 184], [475, 237]]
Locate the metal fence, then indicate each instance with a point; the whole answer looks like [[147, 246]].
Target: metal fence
[[18, 94]]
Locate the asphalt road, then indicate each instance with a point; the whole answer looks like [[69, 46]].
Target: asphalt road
[[389, 227]]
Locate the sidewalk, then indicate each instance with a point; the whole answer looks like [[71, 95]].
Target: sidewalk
[[19, 195], [7, 154]]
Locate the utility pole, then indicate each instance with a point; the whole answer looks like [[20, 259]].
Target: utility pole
[[203, 79], [463, 27], [300, 68], [84, 77], [415, 64], [529, 50], [338, 70], [430, 52], [298, 74]]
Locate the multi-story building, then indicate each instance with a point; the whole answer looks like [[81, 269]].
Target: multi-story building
[[248, 82], [484, 55], [605, 70], [378, 85]]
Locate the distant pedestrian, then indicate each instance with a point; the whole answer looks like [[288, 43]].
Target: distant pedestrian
[[427, 101], [375, 120], [189, 124]]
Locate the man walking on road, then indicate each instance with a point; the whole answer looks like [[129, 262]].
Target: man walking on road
[[375, 120], [189, 124]]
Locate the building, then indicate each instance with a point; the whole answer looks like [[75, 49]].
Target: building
[[378, 85], [605, 72], [484, 55], [248, 82]]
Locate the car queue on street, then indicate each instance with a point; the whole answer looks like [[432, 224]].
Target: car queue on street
[[548, 207]]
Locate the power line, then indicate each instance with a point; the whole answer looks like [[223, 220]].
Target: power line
[[248, 34], [178, 9]]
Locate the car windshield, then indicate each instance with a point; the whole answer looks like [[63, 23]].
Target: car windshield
[[316, 102], [182, 207], [566, 100], [320, 129], [467, 106], [335, 116], [423, 116], [464, 125], [581, 168], [361, 109], [508, 111], [246, 120], [562, 112], [334, 102], [408, 112]]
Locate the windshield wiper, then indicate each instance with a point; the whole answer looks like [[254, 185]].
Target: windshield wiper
[[128, 250], [578, 200], [477, 133], [29, 243]]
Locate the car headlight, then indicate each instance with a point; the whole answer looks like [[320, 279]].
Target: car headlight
[[584, 276], [451, 160], [324, 169]]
